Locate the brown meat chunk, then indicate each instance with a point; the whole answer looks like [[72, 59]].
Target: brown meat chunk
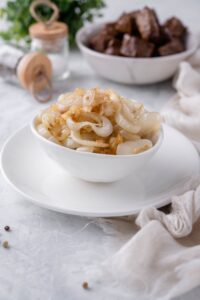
[[139, 34], [148, 24], [125, 24], [175, 28], [173, 47], [114, 47], [110, 29], [136, 47], [164, 36], [100, 41]]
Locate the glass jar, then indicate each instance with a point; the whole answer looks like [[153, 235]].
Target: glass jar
[[31, 70], [51, 37]]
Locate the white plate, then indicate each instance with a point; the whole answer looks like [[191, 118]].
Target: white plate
[[41, 181]]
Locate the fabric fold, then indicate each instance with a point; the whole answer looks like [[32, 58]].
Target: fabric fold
[[150, 266], [185, 210], [183, 110]]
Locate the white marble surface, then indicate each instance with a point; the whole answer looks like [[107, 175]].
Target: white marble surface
[[50, 252]]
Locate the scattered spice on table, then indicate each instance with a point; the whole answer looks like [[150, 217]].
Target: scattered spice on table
[[7, 228], [85, 285], [5, 244]]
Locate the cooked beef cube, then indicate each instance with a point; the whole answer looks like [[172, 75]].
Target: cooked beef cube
[[114, 47], [125, 23], [136, 47], [174, 28], [164, 37], [139, 34], [99, 42], [148, 24], [114, 43], [110, 29], [135, 30], [173, 47]]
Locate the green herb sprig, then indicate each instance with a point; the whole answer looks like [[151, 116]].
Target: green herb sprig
[[72, 12]]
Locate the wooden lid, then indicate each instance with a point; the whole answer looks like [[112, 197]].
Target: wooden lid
[[51, 32], [34, 72]]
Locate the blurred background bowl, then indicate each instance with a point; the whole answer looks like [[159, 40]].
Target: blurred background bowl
[[131, 70]]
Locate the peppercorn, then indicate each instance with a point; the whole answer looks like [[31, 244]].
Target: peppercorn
[[85, 285], [5, 244], [7, 228]]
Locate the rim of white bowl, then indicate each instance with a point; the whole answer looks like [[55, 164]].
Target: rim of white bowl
[[100, 155], [93, 27]]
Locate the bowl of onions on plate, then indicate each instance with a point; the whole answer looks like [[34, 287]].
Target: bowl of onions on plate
[[98, 135]]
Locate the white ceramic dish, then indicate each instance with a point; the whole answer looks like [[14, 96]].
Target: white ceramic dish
[[95, 167], [131, 70], [39, 180]]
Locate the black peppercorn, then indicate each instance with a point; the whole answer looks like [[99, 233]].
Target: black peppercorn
[[7, 228]]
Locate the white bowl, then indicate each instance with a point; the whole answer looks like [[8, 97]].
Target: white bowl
[[131, 70], [95, 167]]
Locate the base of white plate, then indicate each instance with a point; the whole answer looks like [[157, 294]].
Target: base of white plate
[[42, 182]]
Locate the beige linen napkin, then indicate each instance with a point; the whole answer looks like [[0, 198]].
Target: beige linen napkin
[[155, 263]]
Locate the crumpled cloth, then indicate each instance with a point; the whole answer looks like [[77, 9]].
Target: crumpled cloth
[[156, 263], [185, 211], [152, 265], [183, 111]]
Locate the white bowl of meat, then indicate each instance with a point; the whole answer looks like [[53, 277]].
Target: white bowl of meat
[[97, 135], [136, 49]]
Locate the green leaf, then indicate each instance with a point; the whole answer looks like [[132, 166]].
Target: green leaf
[[72, 12]]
